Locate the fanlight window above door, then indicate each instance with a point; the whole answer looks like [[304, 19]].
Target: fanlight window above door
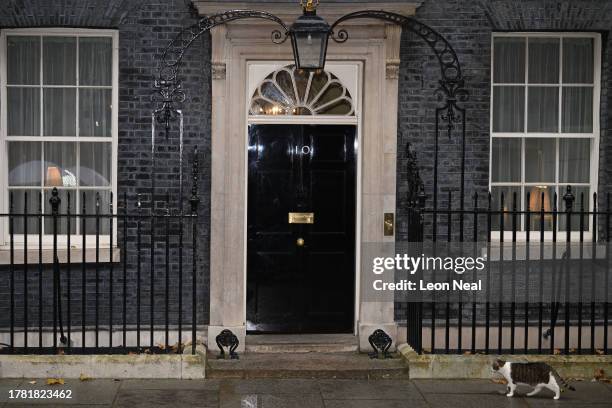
[[288, 91]]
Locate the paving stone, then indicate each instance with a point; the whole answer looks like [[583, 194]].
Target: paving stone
[[170, 383], [6, 385], [271, 386], [167, 398], [474, 401], [586, 394], [356, 389], [373, 404], [458, 386], [270, 401]]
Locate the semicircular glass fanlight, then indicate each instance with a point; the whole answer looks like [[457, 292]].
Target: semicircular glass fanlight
[[288, 91]]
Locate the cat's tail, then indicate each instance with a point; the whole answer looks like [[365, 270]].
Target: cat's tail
[[561, 381]]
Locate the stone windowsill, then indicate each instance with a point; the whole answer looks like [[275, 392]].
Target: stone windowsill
[[76, 255]]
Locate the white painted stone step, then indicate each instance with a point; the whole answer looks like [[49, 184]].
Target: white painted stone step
[[301, 343]]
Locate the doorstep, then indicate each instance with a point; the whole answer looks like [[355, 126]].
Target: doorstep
[[180, 366], [304, 356], [351, 365], [301, 343]]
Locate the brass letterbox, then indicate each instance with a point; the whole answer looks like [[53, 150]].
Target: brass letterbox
[[301, 218]]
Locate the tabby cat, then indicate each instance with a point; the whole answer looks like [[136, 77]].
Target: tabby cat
[[538, 375]]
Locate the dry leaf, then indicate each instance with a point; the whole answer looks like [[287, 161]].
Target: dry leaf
[[557, 352], [131, 353], [599, 374], [60, 352], [54, 381], [32, 382], [599, 352], [147, 351], [83, 377], [499, 381], [467, 353]]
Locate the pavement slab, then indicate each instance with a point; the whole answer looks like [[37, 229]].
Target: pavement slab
[[301, 393], [369, 390], [182, 398]]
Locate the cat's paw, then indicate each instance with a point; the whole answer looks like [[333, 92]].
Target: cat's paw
[[510, 394], [556, 397]]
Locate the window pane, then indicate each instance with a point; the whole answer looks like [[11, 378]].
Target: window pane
[[31, 207], [543, 60], [59, 112], [577, 109], [574, 160], [23, 60], [508, 108], [59, 60], [91, 197], [24, 163], [60, 164], [62, 222], [578, 60], [580, 194], [496, 205], [95, 61], [23, 111], [540, 160], [509, 60], [536, 199], [506, 160], [95, 112], [543, 106], [95, 164]]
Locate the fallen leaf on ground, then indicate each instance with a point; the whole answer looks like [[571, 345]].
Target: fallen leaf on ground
[[60, 352], [600, 352], [599, 374], [557, 352], [54, 381], [83, 377], [467, 353], [131, 353]]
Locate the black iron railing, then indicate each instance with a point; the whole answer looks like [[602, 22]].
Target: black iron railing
[[127, 282], [524, 245]]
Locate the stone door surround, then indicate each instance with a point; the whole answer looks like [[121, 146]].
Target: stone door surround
[[373, 43]]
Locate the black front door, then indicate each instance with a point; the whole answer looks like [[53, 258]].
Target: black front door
[[300, 275]]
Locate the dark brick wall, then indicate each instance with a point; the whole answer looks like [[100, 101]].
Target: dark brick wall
[[145, 27], [468, 26]]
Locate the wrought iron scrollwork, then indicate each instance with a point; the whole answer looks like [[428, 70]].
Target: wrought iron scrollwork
[[381, 343], [227, 339], [416, 188], [452, 83], [168, 95]]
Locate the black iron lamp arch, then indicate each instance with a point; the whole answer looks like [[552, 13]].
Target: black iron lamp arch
[[311, 31], [169, 94]]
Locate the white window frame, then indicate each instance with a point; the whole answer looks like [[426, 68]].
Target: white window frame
[[594, 136], [47, 240]]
